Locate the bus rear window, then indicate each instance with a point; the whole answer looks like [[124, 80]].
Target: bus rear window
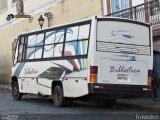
[[123, 37]]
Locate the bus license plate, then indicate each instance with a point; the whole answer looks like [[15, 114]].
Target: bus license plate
[[122, 77]]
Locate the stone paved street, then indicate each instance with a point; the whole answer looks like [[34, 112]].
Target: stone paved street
[[32, 107]]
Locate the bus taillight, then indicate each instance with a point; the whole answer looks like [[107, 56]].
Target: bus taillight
[[93, 74], [150, 77]]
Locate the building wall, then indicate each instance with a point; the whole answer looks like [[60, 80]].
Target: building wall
[[30, 5], [64, 11]]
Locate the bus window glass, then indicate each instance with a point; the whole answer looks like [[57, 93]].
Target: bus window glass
[[50, 37], [16, 53], [35, 40], [48, 51], [35, 45], [38, 52], [83, 64], [72, 33], [70, 48], [77, 40], [82, 47], [59, 36], [39, 39], [22, 40], [30, 53], [31, 40], [84, 32], [20, 52], [58, 50]]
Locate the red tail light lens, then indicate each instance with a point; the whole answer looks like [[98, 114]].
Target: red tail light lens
[[93, 69], [149, 73], [150, 77], [93, 74]]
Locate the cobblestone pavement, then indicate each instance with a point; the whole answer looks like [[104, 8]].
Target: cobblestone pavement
[[32, 107]]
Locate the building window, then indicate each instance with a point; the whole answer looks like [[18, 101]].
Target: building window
[[117, 5], [3, 5]]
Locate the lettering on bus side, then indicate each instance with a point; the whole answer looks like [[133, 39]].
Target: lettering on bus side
[[30, 71], [122, 69]]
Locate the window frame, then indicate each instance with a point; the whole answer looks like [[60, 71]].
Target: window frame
[[78, 40], [14, 51], [45, 44], [50, 30], [23, 49], [36, 45], [120, 5]]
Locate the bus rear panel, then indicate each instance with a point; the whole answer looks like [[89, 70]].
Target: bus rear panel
[[122, 57]]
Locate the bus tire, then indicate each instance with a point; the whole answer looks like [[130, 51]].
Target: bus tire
[[58, 98], [15, 91]]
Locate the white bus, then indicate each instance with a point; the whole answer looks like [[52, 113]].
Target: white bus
[[98, 58]]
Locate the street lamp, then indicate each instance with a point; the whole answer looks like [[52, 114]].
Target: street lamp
[[41, 21]]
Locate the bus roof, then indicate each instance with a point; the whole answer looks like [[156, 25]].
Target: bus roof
[[91, 18], [82, 20]]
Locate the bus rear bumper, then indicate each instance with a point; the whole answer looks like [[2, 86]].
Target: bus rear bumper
[[119, 90]]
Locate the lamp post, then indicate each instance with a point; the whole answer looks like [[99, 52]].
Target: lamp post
[[41, 21]]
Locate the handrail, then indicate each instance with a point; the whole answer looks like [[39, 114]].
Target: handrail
[[147, 12], [130, 8]]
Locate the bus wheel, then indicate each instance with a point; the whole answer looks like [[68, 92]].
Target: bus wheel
[[15, 92], [58, 98]]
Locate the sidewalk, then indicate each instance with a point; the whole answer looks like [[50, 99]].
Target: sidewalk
[[136, 103]]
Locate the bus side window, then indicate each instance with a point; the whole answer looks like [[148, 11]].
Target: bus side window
[[83, 39], [49, 44], [84, 32], [71, 41], [34, 47], [15, 51], [22, 48], [58, 44], [20, 52], [77, 38]]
